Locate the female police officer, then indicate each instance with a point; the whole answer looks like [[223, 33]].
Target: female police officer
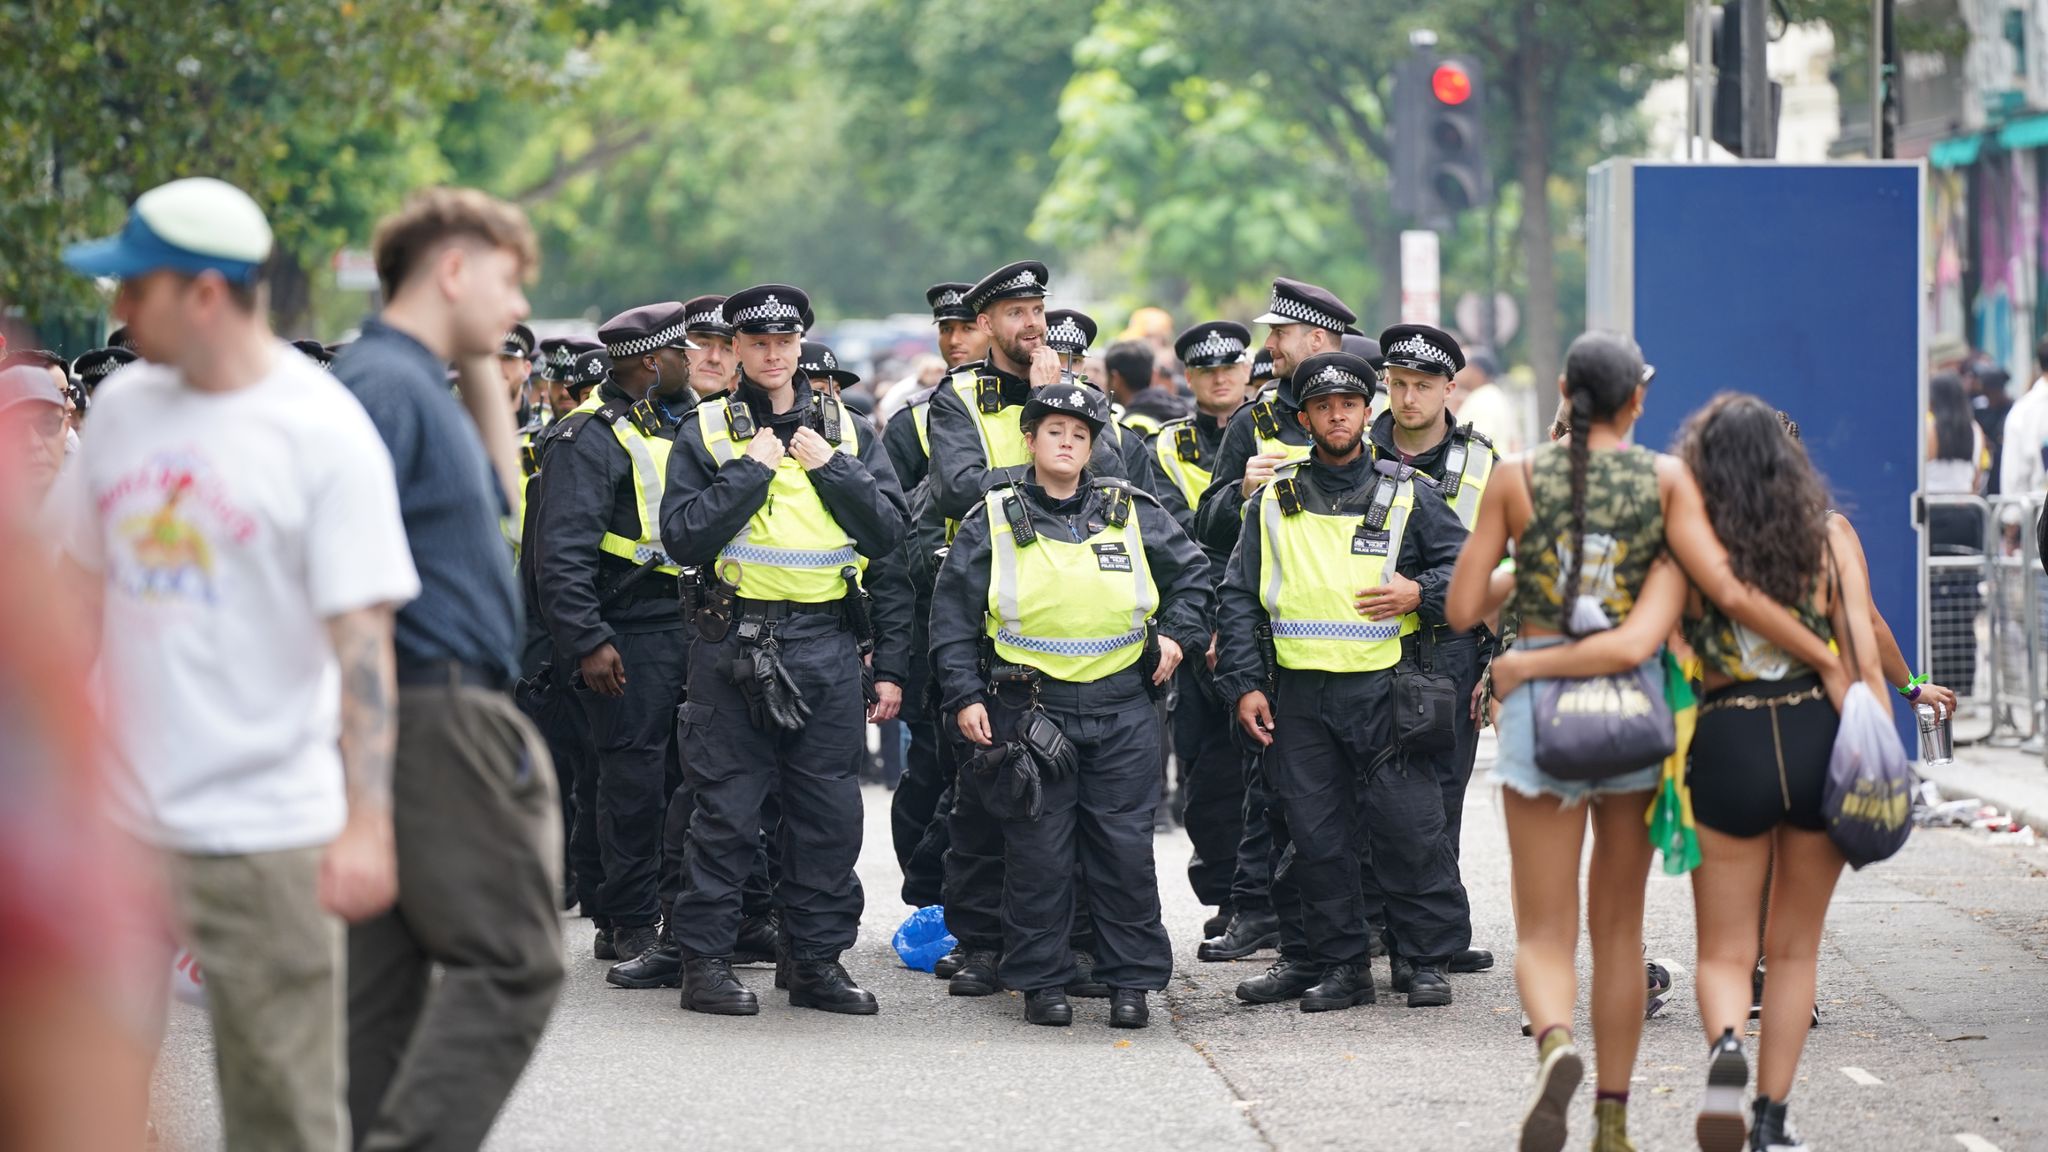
[[1065, 600]]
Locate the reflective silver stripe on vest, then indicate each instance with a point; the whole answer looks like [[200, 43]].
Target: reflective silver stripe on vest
[[1098, 647], [1397, 528], [1270, 514], [1469, 493], [1337, 630], [642, 554], [649, 481], [786, 557]]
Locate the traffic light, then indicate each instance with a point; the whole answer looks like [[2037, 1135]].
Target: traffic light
[[1726, 37], [1440, 164]]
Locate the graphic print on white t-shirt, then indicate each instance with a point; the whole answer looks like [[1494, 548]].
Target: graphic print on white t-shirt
[[169, 520]]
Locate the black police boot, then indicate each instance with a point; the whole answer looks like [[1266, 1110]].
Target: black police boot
[[601, 947], [709, 986], [1084, 985], [1215, 925], [1343, 986], [1127, 1008], [977, 976], [824, 985], [950, 963], [659, 967], [1286, 980], [756, 941], [1247, 933], [1049, 1006], [629, 943], [1427, 987], [1470, 960], [1403, 970]]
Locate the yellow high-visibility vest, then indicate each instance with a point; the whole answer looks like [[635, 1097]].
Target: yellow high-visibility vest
[[791, 548], [1311, 567], [1074, 611]]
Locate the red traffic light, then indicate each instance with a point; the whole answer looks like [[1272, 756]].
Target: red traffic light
[[1451, 84]]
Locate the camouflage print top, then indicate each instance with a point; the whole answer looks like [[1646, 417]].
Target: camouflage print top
[[1624, 533], [1739, 654]]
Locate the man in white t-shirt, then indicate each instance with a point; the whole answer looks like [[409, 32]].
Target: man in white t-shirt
[[233, 510]]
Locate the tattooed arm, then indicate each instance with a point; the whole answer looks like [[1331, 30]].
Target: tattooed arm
[[359, 874]]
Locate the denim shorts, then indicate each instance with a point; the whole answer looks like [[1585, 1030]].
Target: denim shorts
[[1514, 762]]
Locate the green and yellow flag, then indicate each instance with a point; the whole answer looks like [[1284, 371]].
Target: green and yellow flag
[[1672, 831]]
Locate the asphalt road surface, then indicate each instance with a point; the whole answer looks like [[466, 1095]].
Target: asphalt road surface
[[1934, 990]]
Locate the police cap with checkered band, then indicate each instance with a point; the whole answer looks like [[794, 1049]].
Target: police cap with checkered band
[[1423, 349]]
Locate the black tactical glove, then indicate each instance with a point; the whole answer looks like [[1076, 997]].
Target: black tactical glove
[[1027, 794], [780, 699], [1056, 756]]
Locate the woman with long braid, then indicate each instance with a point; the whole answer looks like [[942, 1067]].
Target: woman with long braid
[[1600, 528]]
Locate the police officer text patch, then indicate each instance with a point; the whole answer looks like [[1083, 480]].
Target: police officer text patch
[[1366, 542], [1111, 557]]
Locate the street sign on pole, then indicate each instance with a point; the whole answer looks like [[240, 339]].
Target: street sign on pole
[[1421, 279]]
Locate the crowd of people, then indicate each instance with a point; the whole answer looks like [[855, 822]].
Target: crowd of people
[[412, 645]]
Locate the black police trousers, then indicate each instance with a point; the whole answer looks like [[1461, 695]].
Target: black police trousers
[[1339, 783], [634, 737], [757, 898], [1096, 823], [917, 794], [1213, 776], [732, 768]]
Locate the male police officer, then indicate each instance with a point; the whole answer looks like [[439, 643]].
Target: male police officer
[[608, 595], [977, 438], [1339, 559], [781, 496], [1417, 430], [961, 343], [712, 368], [1215, 355]]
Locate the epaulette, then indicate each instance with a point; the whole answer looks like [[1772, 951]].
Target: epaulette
[[565, 428], [1471, 433], [996, 478], [612, 411]]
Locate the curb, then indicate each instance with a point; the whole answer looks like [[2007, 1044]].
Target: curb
[[1951, 789]]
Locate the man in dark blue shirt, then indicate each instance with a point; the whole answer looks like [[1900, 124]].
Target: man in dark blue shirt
[[474, 808]]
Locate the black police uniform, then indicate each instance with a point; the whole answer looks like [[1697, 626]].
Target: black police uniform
[[1460, 655], [1108, 803], [1203, 728], [1330, 769], [588, 602], [735, 765], [960, 473]]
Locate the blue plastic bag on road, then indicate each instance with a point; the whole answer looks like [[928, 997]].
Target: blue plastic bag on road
[[923, 938]]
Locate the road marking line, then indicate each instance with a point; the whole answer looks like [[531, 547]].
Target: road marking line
[[1862, 1077], [1975, 1143]]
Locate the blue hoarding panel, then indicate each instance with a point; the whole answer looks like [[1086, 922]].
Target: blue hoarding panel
[[1801, 285]]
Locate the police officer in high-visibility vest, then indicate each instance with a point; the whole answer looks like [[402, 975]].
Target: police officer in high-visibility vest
[[1216, 357], [1065, 603], [1340, 558], [712, 367], [780, 496], [977, 435], [906, 438], [1304, 321], [1418, 430], [1070, 333], [608, 597]]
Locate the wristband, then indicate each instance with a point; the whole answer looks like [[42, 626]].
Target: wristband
[[1912, 689]]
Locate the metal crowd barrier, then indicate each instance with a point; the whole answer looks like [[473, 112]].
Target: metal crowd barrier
[[1982, 624]]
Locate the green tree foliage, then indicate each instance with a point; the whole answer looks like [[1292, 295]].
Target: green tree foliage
[[321, 109]]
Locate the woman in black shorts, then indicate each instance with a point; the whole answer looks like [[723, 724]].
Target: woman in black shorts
[[1760, 757]]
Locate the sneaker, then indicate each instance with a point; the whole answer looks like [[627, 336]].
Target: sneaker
[[1610, 1127], [1772, 1132], [1557, 1078], [1659, 994], [1720, 1126]]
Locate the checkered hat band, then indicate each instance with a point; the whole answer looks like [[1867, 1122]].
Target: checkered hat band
[[769, 309], [713, 319], [1335, 375], [1416, 348], [1216, 344], [1067, 333], [645, 344], [103, 369], [949, 299], [1305, 313]]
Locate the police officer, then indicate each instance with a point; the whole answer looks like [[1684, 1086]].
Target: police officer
[[608, 596], [572, 368], [98, 364], [916, 824], [1070, 333], [315, 351], [1216, 358], [781, 496], [713, 370], [1340, 558], [1417, 430], [515, 360], [1042, 622], [977, 430]]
